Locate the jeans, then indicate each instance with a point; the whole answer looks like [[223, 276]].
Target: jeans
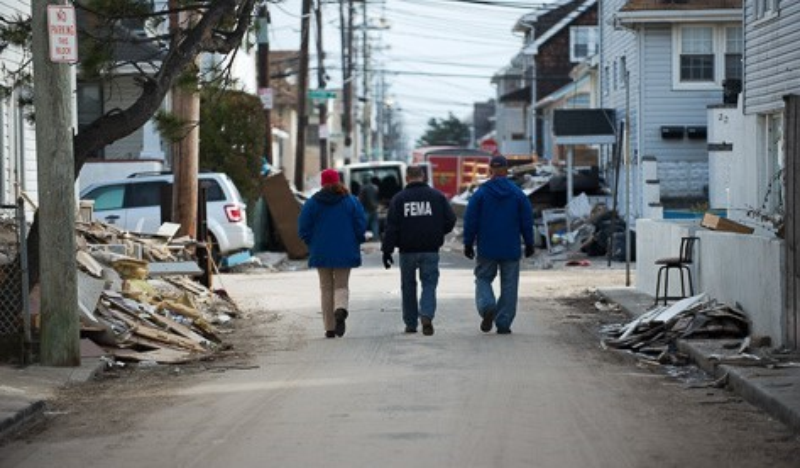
[[373, 225], [428, 265], [506, 306]]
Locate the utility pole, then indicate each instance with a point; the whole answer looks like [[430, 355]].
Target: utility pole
[[60, 318], [366, 124], [348, 103], [185, 152], [264, 83], [346, 37], [323, 105], [302, 93]]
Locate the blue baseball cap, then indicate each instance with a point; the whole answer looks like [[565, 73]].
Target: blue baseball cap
[[498, 161]]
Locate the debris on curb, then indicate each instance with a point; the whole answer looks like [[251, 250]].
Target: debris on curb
[[138, 300]]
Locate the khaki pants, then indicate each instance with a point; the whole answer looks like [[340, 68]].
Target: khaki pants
[[335, 293]]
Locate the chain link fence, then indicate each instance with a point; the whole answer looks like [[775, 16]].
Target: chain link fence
[[15, 323]]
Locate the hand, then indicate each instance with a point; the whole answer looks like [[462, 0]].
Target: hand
[[387, 260], [528, 250], [469, 252]]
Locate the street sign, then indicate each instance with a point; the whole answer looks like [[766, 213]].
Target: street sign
[[266, 97], [321, 94], [62, 33]]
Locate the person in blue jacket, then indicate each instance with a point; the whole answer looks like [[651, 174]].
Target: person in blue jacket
[[333, 225], [419, 218], [497, 215]]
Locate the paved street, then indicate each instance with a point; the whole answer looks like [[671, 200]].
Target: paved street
[[545, 396]]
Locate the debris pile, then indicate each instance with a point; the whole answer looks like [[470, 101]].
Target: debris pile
[[654, 333], [138, 301]]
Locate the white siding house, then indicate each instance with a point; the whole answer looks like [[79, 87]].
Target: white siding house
[[18, 172]]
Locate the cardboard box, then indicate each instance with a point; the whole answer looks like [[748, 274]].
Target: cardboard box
[[718, 223]]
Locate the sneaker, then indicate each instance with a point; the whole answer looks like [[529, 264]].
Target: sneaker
[[427, 326], [330, 334], [488, 320], [411, 330], [340, 315], [503, 331]]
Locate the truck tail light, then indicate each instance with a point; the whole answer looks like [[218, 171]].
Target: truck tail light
[[233, 213]]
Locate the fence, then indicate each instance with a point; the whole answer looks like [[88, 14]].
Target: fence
[[15, 322]]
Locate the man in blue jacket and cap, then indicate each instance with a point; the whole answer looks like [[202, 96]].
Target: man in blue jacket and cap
[[497, 215]]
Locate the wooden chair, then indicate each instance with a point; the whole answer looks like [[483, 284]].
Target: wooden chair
[[681, 263]]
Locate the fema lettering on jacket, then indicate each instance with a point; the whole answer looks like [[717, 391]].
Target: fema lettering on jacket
[[417, 208]]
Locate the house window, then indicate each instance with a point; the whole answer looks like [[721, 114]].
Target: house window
[[766, 8], [623, 69], [772, 184], [705, 55], [733, 52], [616, 76], [583, 42], [605, 78], [697, 54]]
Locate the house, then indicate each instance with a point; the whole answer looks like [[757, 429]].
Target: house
[[18, 171], [752, 137], [556, 38], [662, 63], [511, 111]]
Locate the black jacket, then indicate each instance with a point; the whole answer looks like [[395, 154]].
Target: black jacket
[[419, 217]]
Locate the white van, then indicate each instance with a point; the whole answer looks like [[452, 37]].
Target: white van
[[134, 204]]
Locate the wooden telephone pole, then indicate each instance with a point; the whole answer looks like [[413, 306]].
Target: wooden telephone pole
[[302, 93], [60, 316], [185, 152], [264, 82], [323, 105]]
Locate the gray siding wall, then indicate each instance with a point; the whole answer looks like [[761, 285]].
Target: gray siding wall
[[682, 164], [120, 94], [771, 58], [616, 43]]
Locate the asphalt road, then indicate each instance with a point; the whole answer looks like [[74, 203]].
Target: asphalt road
[[545, 396]]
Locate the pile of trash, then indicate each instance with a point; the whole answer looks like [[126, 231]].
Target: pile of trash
[[655, 332], [138, 300]]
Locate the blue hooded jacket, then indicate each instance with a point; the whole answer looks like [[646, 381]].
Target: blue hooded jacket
[[333, 226], [498, 213]]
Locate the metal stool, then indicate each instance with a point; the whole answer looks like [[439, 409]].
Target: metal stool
[[680, 263]]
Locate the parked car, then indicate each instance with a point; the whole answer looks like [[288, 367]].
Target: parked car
[[134, 204]]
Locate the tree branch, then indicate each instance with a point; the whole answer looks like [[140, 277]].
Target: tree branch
[[185, 49]]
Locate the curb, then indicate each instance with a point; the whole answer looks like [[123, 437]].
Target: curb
[[772, 390], [29, 413], [18, 413], [775, 391]]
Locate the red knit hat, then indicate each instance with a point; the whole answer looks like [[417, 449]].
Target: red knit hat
[[329, 177]]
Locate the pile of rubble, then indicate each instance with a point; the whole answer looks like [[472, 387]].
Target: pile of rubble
[[654, 333], [138, 300]]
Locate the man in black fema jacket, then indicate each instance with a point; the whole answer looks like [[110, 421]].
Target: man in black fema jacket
[[419, 217]]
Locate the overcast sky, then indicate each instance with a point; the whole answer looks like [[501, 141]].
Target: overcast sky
[[438, 55]]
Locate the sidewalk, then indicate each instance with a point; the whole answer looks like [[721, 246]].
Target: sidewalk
[[25, 391], [774, 390]]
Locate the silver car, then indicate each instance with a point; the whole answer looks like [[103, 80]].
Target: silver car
[[134, 204]]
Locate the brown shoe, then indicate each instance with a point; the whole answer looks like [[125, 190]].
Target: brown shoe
[[427, 326], [330, 334]]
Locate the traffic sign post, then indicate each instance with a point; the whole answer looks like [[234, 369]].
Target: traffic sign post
[[321, 94], [62, 33]]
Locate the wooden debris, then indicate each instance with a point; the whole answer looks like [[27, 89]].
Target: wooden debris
[[145, 316], [654, 333]]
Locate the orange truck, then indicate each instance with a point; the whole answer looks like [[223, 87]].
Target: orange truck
[[452, 169]]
